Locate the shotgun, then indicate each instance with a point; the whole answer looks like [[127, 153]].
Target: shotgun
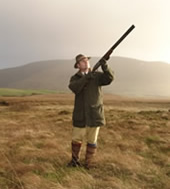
[[109, 52]]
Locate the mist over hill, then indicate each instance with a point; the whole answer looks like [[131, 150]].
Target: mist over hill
[[132, 77]]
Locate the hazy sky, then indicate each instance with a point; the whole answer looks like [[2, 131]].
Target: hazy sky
[[33, 30]]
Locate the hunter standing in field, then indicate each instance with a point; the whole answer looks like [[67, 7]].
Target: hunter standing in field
[[88, 113]]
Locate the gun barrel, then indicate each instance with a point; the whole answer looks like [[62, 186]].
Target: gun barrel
[[109, 52], [122, 37]]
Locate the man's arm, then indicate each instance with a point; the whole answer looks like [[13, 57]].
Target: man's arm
[[107, 76]]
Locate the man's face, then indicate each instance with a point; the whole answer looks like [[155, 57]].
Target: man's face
[[84, 64]]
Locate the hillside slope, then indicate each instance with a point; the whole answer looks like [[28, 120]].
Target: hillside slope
[[132, 77]]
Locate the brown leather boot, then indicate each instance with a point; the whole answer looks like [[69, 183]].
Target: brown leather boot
[[90, 153], [75, 155]]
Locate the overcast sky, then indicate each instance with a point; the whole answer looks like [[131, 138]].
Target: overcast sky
[[33, 30]]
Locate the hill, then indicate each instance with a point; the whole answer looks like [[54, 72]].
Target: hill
[[132, 77]]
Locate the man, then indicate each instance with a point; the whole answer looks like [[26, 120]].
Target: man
[[88, 113]]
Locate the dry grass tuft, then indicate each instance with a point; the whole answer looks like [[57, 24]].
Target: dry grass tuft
[[19, 107]]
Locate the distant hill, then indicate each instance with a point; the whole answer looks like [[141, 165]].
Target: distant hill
[[132, 77]]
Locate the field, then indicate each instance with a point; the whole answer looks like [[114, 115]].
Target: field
[[133, 147]]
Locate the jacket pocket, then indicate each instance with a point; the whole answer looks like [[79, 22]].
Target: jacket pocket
[[97, 112]]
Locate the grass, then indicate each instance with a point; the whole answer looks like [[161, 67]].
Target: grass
[[150, 140], [133, 148], [19, 92]]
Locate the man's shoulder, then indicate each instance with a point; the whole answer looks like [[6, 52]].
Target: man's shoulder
[[77, 75]]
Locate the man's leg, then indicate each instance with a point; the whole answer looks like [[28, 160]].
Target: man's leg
[[92, 136], [77, 139]]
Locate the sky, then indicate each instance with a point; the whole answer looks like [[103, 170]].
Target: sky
[[35, 30]]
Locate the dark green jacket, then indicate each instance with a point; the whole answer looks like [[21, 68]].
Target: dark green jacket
[[88, 105]]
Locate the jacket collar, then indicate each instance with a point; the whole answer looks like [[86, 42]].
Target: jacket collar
[[79, 73]]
